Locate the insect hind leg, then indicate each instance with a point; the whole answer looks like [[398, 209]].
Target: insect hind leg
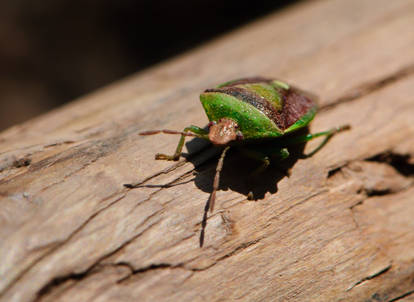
[[307, 137]]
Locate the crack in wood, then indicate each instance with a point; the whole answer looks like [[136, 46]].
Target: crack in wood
[[370, 87], [55, 144], [77, 277], [370, 277], [300, 202], [154, 175], [182, 265], [130, 240], [14, 162], [377, 193], [400, 162], [59, 245], [402, 296], [56, 282], [238, 249], [91, 269], [173, 183], [151, 267], [86, 153]]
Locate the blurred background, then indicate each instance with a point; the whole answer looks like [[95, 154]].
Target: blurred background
[[53, 51]]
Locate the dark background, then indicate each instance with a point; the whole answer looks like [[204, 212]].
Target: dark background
[[52, 51]]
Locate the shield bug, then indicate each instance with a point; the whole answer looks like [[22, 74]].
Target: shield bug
[[247, 113]]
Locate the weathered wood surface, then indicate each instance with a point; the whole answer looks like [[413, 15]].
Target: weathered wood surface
[[339, 228]]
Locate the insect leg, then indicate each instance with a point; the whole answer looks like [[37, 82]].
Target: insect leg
[[264, 156], [307, 137], [188, 131], [310, 136], [259, 156]]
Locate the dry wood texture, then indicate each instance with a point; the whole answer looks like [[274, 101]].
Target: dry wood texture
[[339, 228]]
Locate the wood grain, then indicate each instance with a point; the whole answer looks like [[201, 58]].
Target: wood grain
[[340, 227]]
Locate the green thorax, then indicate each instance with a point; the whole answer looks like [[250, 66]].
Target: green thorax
[[261, 107]]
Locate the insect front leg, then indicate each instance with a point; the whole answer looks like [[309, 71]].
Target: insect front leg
[[188, 131], [194, 130]]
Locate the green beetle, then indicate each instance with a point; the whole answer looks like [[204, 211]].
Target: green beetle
[[246, 113]]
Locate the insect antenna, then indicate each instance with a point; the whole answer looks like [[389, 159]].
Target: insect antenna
[[217, 179], [166, 131]]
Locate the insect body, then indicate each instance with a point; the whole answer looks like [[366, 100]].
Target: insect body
[[249, 111]]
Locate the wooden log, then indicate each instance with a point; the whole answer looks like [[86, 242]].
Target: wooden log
[[340, 227]]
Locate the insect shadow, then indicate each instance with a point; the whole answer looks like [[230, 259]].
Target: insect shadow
[[238, 173]]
